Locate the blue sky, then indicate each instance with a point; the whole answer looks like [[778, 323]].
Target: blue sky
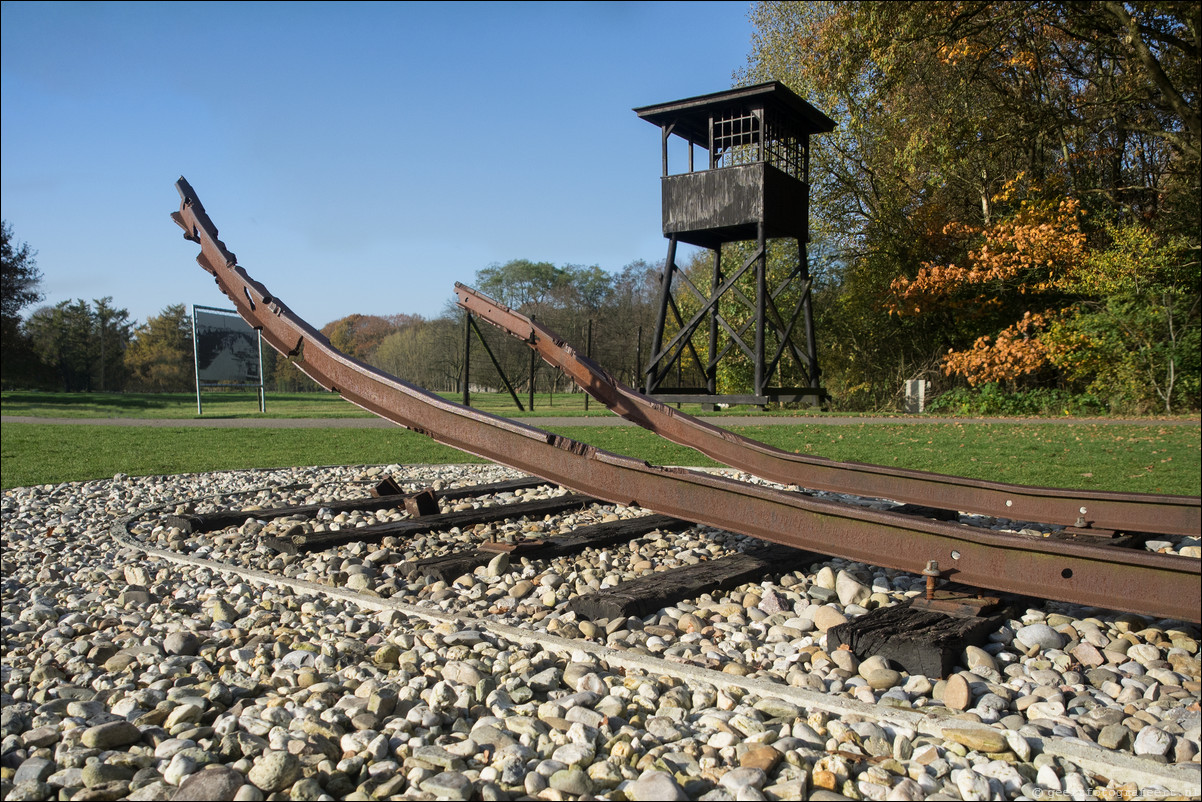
[[356, 157]]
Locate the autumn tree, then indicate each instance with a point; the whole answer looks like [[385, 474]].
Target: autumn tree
[[359, 335], [956, 120], [427, 353], [1010, 266]]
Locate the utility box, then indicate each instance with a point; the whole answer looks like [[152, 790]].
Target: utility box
[[916, 395]]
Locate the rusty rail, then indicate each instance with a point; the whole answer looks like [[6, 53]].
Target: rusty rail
[[1127, 512], [1085, 574]]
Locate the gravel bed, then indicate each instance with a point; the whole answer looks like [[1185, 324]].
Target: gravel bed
[[129, 676]]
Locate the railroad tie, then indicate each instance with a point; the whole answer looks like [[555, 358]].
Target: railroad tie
[[320, 541]]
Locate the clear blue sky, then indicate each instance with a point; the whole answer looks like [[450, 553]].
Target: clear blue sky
[[356, 157]]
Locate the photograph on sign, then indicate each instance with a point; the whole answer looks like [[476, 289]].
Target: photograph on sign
[[227, 349]]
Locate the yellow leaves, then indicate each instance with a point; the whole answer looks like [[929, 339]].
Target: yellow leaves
[[1136, 260], [954, 53], [1010, 188]]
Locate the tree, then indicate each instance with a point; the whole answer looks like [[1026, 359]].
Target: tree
[[283, 376], [564, 299], [61, 337], [20, 278], [18, 288], [359, 335], [160, 359], [624, 331], [1012, 264], [955, 118], [427, 353], [82, 347], [522, 284], [1135, 333], [112, 329]]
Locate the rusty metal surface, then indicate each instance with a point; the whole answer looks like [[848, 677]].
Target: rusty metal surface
[[1138, 512], [1086, 574]]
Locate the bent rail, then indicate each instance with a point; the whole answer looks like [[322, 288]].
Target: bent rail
[[1101, 576], [1129, 512]]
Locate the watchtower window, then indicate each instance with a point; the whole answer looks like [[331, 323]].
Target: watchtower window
[[736, 138], [750, 136], [786, 152]]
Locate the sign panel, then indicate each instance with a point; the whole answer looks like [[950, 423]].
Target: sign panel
[[227, 348]]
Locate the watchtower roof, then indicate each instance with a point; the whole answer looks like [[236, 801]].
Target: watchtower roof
[[690, 117]]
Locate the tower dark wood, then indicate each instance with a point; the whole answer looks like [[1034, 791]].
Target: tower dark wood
[[754, 187]]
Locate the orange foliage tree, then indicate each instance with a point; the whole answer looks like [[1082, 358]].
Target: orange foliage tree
[[939, 104], [1017, 262], [1017, 351]]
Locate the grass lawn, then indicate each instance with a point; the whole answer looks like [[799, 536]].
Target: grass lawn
[[1149, 458], [242, 404], [175, 405]]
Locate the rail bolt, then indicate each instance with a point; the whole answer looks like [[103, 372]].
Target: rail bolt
[[931, 572]]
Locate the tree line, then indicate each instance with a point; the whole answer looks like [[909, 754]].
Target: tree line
[[94, 346], [571, 300]]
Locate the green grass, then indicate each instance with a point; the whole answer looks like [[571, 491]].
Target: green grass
[[1148, 458], [241, 404], [36, 454], [175, 405]]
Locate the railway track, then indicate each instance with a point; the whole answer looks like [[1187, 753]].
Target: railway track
[[454, 587], [1067, 570]]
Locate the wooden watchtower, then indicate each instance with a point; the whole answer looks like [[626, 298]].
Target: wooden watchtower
[[754, 187]]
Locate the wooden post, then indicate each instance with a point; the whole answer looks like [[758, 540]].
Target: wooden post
[[665, 294], [808, 311], [711, 370], [638, 356], [500, 372], [533, 355], [588, 351], [467, 357], [761, 303]]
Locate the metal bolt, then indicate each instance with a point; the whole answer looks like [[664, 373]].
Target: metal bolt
[[931, 572]]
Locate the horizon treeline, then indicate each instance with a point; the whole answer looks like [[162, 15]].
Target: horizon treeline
[[81, 346]]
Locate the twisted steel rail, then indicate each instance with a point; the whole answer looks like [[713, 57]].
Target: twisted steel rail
[[1081, 509], [1100, 576]]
